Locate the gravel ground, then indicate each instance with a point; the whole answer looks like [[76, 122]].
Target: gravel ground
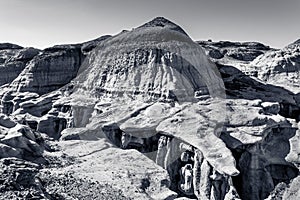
[[20, 179]]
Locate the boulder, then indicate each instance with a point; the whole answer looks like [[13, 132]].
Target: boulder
[[8, 151], [294, 153], [215, 53], [52, 125], [271, 107], [24, 141], [6, 121], [81, 134]]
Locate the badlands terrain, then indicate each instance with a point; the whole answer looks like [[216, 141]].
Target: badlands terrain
[[150, 114]]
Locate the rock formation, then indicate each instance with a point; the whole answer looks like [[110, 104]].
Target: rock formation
[[13, 60], [280, 67], [150, 114]]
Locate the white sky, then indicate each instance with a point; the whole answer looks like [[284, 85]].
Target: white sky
[[44, 23]]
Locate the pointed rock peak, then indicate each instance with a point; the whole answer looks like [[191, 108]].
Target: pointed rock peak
[[296, 42], [159, 21], [163, 22]]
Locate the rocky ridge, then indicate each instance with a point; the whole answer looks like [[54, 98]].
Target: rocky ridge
[[143, 114]]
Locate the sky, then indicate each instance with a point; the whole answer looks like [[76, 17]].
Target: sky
[[44, 23]]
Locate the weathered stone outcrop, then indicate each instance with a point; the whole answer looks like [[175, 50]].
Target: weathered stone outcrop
[[240, 86], [246, 51], [6, 121], [13, 60], [280, 67], [256, 129], [172, 153], [52, 125], [273, 66], [38, 106], [81, 134], [190, 173], [260, 142], [293, 191], [10, 101], [146, 113], [21, 142], [294, 154], [47, 71]]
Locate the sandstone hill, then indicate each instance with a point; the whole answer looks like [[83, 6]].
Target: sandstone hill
[[150, 114]]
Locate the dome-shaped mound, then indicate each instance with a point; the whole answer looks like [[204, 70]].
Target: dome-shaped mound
[[163, 22], [154, 60]]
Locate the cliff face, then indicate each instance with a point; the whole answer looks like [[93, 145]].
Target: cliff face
[[13, 60], [49, 71], [150, 114], [42, 71]]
